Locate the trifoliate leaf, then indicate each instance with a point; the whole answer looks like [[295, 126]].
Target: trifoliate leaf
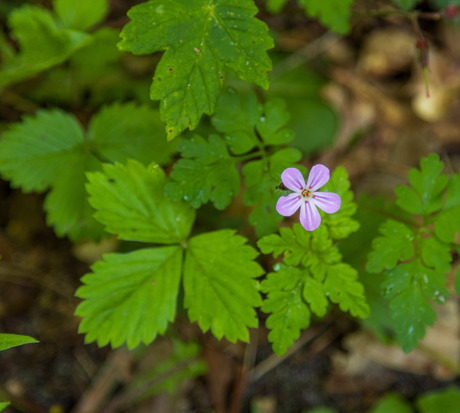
[[343, 288], [428, 183], [32, 153], [340, 224], [334, 14], [220, 291], [409, 286], [130, 202], [12, 340], [82, 14], [395, 245], [444, 400], [67, 206], [42, 43], [200, 39], [205, 173], [289, 311], [130, 297], [236, 117], [127, 131]]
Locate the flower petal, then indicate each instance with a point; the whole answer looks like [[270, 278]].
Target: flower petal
[[287, 205], [318, 177], [293, 179], [309, 216], [327, 201]]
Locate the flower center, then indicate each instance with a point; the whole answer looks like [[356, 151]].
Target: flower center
[[306, 193]]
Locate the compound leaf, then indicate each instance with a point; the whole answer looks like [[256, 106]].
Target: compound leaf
[[220, 291], [200, 39], [82, 14], [334, 14], [395, 245], [13, 340], [130, 202], [205, 173], [130, 297]]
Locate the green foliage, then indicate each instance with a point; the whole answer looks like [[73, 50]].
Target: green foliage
[[219, 269], [406, 4], [294, 293], [12, 340], [446, 401], [33, 152], [416, 259], [392, 403], [80, 15], [200, 40], [205, 173], [334, 14], [42, 44], [132, 297], [3, 405]]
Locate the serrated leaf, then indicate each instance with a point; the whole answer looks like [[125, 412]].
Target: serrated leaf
[[130, 297], [271, 126], [314, 294], [130, 202], [200, 39], [82, 14], [343, 288], [334, 14], [67, 206], [220, 291], [289, 312], [444, 400], [13, 340], [429, 184], [122, 131], [447, 221], [33, 152], [395, 245], [409, 286], [42, 43], [205, 173]]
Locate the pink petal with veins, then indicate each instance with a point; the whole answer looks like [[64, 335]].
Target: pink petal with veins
[[327, 201], [309, 216], [293, 179], [287, 205], [318, 177]]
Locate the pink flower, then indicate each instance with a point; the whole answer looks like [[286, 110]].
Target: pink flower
[[306, 197]]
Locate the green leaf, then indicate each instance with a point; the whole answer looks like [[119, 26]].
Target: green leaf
[[205, 173], [406, 4], [236, 116], [428, 184], [334, 14], [409, 286], [13, 340], [130, 297], [275, 6], [447, 221], [444, 400], [343, 288], [82, 14], [271, 126], [289, 311], [122, 131], [340, 224], [130, 202], [200, 39], [66, 205], [3, 405], [393, 403], [42, 44], [395, 245], [220, 291], [33, 152], [436, 254]]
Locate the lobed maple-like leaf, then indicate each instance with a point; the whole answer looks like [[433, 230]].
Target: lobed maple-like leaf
[[199, 39]]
